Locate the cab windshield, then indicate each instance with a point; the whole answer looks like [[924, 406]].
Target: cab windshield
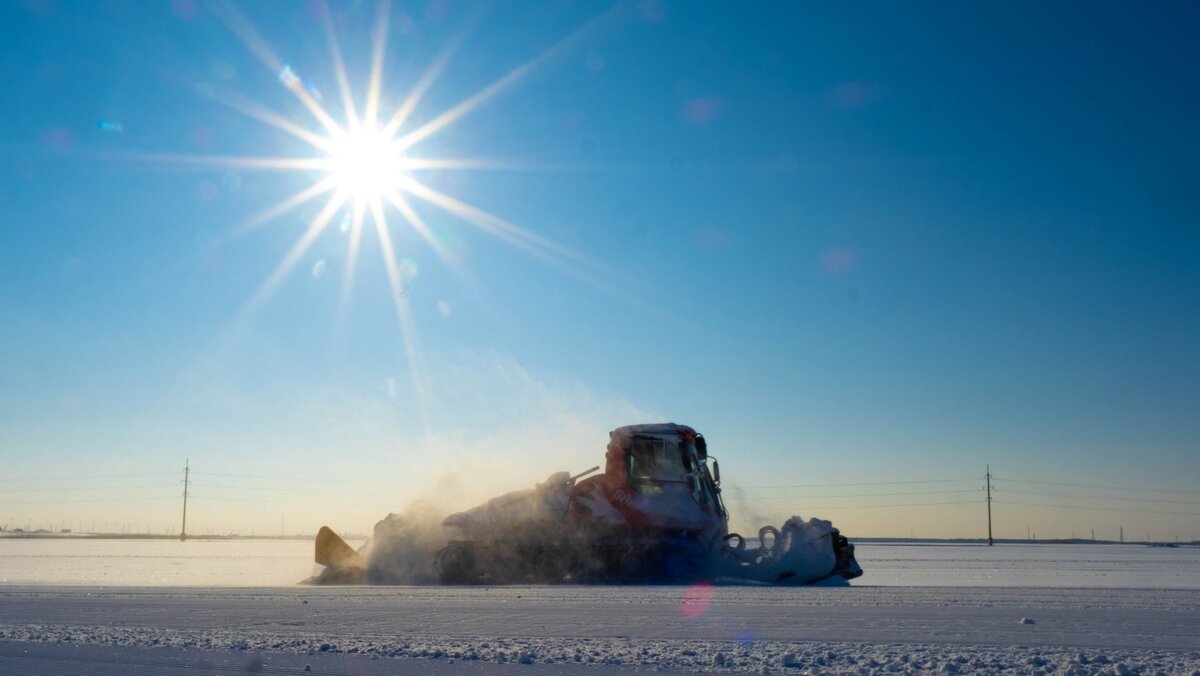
[[652, 464], [655, 461]]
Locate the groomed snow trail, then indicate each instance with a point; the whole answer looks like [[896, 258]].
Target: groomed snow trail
[[494, 630]]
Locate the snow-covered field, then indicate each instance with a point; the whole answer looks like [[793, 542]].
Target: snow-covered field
[[154, 563], [64, 608], [266, 563], [976, 565]]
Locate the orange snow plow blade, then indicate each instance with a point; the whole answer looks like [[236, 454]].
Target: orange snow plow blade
[[342, 564]]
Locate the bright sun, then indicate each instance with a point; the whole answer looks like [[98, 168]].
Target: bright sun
[[365, 165], [367, 172], [364, 161]]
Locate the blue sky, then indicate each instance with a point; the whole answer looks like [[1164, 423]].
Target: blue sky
[[849, 244]]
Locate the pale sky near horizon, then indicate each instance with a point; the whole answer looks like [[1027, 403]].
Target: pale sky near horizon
[[867, 251]]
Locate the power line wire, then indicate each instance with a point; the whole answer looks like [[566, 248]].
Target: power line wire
[[859, 483], [860, 495], [59, 502], [289, 502], [85, 488], [322, 480], [904, 504], [1100, 509], [288, 490], [1119, 488], [1099, 497], [25, 478]]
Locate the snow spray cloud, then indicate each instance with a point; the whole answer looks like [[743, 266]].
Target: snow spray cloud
[[491, 426], [403, 548], [748, 517]]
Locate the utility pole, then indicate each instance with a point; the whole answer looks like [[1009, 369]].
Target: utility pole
[[988, 488], [186, 472]]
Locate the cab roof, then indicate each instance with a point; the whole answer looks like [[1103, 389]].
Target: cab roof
[[665, 430]]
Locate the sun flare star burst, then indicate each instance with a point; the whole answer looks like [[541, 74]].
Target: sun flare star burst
[[366, 169], [365, 165]]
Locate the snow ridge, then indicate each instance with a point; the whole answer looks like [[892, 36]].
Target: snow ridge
[[692, 655]]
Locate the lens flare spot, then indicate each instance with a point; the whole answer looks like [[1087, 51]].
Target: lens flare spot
[[702, 110], [58, 139], [202, 137], [408, 268], [319, 268], [445, 308], [653, 10], [209, 191], [223, 70], [185, 9], [697, 600], [851, 95], [838, 259], [288, 76], [231, 181]]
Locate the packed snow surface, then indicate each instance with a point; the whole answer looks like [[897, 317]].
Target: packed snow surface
[[245, 562], [697, 628], [1030, 565], [83, 606]]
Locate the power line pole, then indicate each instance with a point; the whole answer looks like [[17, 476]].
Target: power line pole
[[988, 488], [186, 472]]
